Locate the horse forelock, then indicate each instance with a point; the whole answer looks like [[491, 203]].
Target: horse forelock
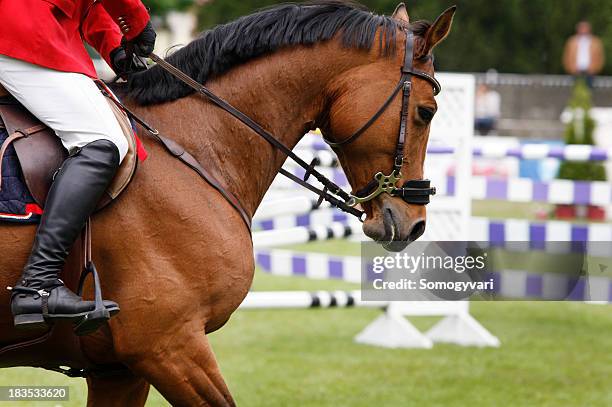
[[218, 50]]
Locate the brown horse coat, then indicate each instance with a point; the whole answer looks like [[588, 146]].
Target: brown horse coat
[[177, 257]]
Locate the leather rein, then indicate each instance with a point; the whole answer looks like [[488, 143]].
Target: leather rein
[[413, 191]]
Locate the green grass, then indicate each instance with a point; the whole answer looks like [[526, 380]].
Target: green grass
[[509, 210], [499, 209], [552, 354]]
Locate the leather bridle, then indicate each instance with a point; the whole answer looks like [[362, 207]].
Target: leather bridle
[[416, 192]]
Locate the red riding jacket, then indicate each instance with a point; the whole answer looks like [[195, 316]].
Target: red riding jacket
[[48, 32]]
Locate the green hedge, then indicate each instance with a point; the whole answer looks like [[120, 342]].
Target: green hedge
[[580, 131]]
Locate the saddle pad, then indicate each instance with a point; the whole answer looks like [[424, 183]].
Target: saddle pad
[[16, 202]]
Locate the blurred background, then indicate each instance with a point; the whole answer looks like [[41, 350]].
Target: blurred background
[[515, 47]]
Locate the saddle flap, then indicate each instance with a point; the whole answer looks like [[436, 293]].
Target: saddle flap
[[40, 155], [128, 165]]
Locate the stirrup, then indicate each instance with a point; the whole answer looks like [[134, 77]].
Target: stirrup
[[100, 315]]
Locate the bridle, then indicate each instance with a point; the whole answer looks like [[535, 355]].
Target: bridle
[[416, 192]]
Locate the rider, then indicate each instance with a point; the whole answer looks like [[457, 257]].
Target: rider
[[45, 66]]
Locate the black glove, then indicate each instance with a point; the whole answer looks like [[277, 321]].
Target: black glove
[[143, 44], [125, 65]]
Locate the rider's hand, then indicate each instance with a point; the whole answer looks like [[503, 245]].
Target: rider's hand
[[125, 65], [143, 44]]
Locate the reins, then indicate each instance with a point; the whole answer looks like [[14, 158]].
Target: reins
[[329, 188], [177, 151], [413, 191]]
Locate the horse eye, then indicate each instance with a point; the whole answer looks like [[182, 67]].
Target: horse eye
[[426, 113]]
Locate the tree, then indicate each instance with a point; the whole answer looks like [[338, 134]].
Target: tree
[[522, 36], [161, 7]]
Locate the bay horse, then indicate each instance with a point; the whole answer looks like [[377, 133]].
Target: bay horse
[[172, 251]]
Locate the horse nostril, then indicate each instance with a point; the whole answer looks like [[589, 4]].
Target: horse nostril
[[417, 230]]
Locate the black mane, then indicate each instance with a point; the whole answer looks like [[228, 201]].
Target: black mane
[[217, 50]]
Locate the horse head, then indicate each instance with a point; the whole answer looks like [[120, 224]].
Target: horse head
[[365, 117]]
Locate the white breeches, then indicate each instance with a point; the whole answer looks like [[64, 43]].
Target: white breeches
[[69, 103]]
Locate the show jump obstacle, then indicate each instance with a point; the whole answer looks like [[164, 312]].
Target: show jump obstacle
[[289, 217], [285, 218], [391, 329]]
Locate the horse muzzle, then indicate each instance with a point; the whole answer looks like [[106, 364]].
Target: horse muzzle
[[395, 224]]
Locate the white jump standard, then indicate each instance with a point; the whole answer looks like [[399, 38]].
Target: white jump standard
[[391, 329]]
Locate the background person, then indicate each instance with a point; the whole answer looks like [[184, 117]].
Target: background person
[[583, 55], [487, 109]]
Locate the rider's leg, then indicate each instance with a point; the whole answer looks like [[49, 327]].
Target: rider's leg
[[74, 108], [69, 103]]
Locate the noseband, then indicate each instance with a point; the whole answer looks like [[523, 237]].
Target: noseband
[[415, 192]]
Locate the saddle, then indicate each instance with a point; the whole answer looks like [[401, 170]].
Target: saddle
[[40, 154], [40, 151], [39, 162]]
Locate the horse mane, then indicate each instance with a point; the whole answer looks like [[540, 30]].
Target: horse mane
[[217, 50]]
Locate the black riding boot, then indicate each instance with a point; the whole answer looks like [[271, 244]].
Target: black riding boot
[[40, 296]]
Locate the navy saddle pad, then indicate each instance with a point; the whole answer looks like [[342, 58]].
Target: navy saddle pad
[[16, 202]]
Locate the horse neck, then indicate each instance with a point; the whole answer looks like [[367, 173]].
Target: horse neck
[[284, 93]]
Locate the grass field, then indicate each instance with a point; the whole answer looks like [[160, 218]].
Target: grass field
[[552, 354]]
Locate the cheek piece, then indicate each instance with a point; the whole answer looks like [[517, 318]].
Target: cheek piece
[[416, 192]]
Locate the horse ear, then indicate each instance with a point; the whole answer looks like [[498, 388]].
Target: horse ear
[[439, 29], [401, 13]]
